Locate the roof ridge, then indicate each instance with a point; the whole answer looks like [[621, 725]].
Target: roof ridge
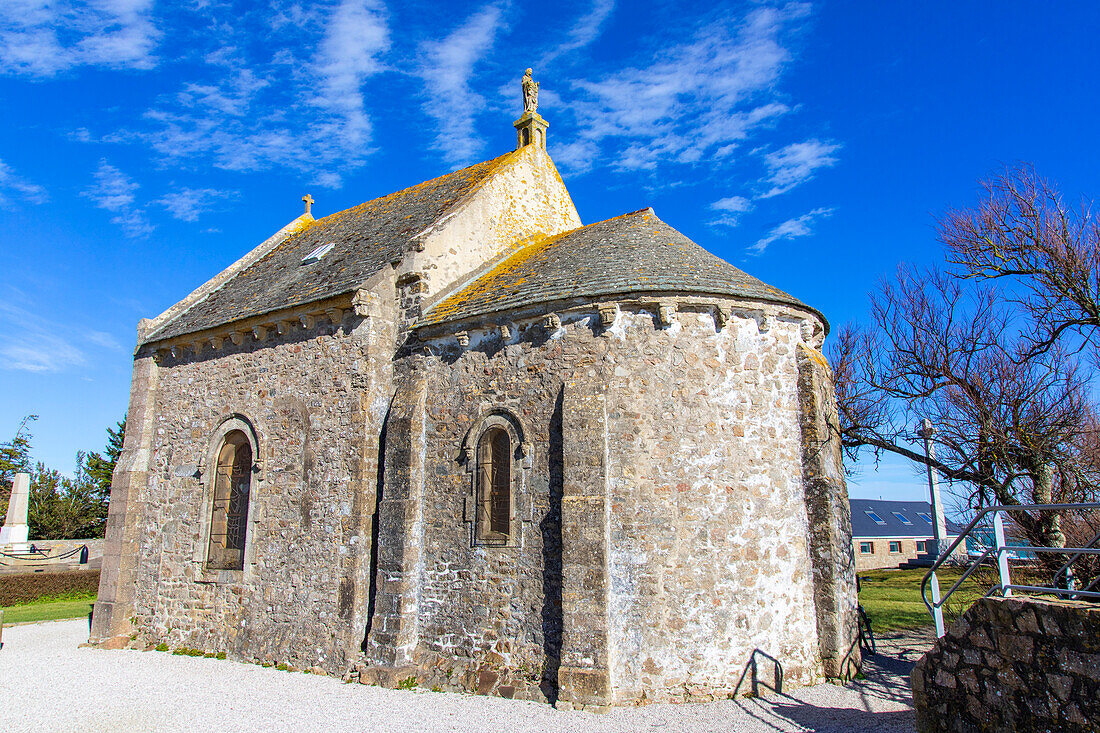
[[426, 182]]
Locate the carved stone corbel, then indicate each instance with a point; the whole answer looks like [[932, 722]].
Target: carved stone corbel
[[764, 323], [806, 330], [237, 337], [608, 313], [505, 331], [336, 315], [283, 327], [259, 332], [551, 321], [722, 315], [362, 302], [216, 342], [665, 313], [307, 321], [197, 346], [463, 338]]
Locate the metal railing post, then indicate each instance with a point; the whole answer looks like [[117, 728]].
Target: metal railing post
[[1002, 553], [937, 610]]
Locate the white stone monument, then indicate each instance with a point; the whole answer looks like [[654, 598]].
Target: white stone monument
[[15, 524]]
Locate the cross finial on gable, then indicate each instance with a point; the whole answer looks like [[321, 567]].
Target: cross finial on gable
[[309, 203]]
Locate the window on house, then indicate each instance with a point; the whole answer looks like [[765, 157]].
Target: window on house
[[228, 521], [922, 546], [494, 482], [866, 548], [902, 518], [895, 546], [925, 517], [874, 517]]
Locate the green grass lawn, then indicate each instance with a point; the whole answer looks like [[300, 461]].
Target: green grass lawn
[[51, 609], [892, 597]]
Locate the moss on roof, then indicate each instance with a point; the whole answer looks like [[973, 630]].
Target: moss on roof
[[365, 238], [631, 253]]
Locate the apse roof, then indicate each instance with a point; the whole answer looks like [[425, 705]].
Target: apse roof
[[632, 253]]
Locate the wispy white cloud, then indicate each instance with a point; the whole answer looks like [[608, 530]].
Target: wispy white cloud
[[577, 156], [31, 343], [299, 106], [586, 30], [790, 229], [104, 339], [730, 210], [42, 38], [115, 191], [356, 36], [697, 100], [188, 204], [796, 163], [447, 72], [10, 183]]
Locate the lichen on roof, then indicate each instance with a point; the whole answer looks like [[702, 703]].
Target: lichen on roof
[[635, 252], [366, 238]]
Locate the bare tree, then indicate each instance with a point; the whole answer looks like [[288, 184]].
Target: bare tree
[[1015, 424], [1047, 253]]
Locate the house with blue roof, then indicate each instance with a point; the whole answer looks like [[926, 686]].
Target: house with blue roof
[[888, 534]]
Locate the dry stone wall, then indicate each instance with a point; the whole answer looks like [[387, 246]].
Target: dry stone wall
[[1013, 664]]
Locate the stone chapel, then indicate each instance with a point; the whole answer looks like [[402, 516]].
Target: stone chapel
[[455, 435]]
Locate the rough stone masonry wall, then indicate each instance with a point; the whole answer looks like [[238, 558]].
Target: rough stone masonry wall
[[709, 555], [1013, 664], [317, 399], [487, 613], [829, 515], [709, 559]]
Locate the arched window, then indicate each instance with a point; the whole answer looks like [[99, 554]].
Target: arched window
[[229, 510], [494, 485]]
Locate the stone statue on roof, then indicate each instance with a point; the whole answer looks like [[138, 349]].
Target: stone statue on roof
[[530, 93]]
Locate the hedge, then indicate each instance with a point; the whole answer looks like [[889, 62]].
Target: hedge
[[22, 588]]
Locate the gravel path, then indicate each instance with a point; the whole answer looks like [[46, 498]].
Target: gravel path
[[48, 683]]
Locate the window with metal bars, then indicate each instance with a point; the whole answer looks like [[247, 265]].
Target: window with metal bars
[[229, 512]]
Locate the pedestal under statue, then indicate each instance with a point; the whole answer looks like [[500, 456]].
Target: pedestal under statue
[[15, 523]]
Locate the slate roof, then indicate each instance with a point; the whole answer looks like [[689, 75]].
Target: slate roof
[[631, 253], [864, 526], [366, 237]]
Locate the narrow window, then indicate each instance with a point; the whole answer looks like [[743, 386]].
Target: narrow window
[[895, 547], [232, 481], [494, 485], [921, 545], [866, 548]]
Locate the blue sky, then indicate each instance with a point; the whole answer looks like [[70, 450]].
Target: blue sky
[[147, 145]]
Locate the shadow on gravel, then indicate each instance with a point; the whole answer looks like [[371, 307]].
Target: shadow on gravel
[[886, 680]]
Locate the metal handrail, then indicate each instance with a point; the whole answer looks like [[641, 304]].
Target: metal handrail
[[1000, 549]]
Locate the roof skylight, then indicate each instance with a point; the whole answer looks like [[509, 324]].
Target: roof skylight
[[904, 519], [874, 517], [925, 517], [318, 253]]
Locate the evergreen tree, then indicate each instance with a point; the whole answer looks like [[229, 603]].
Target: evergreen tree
[[64, 508], [101, 468], [15, 457]]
